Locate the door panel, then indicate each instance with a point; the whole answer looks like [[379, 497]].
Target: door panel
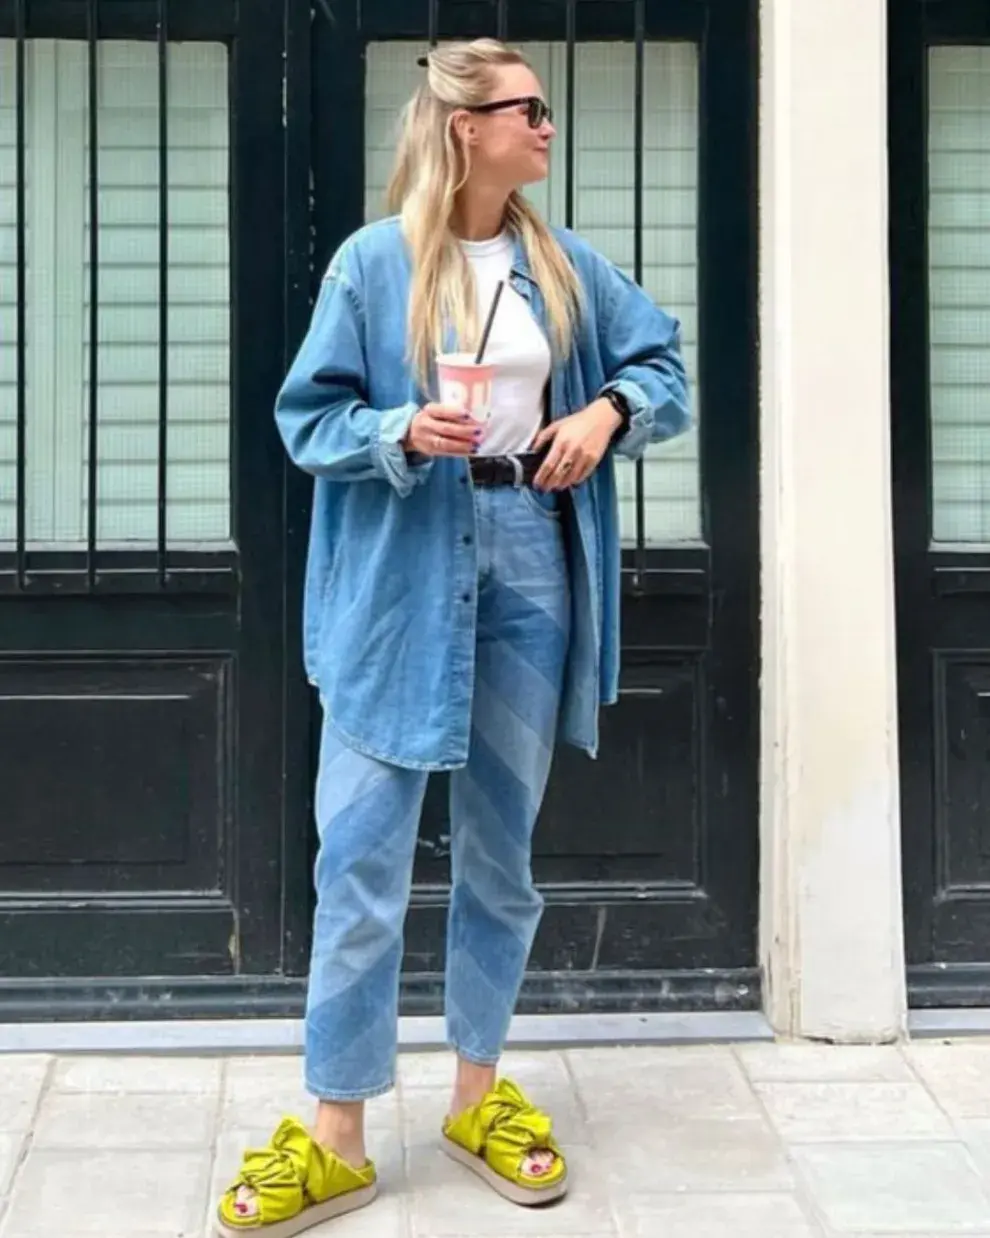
[[142, 623], [940, 165]]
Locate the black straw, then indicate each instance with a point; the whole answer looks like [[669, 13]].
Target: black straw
[[488, 322]]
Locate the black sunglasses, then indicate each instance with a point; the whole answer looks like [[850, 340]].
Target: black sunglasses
[[537, 109]]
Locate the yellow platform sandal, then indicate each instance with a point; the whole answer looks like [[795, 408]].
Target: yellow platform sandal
[[495, 1138], [290, 1185]]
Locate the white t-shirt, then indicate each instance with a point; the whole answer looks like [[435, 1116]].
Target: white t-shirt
[[517, 347]]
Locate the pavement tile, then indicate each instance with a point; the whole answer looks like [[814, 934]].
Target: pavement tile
[[824, 1063], [958, 1075], [387, 1217], [138, 1074], [641, 1083], [11, 1143], [894, 1188], [22, 1077], [816, 1112], [132, 1121], [975, 1133], [713, 1216], [690, 1153], [110, 1194], [448, 1201]]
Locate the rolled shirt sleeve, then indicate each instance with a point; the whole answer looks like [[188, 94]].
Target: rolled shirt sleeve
[[640, 348], [322, 413]]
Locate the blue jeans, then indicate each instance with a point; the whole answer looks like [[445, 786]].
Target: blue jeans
[[368, 820]]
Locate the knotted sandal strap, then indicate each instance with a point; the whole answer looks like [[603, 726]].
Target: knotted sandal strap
[[292, 1173], [504, 1129]]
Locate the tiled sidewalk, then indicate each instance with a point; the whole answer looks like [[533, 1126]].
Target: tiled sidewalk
[[757, 1141]]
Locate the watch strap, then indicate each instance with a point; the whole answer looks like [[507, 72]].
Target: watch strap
[[621, 406]]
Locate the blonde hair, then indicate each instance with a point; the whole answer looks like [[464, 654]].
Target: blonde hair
[[430, 169]]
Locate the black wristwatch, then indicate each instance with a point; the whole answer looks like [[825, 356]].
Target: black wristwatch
[[621, 406]]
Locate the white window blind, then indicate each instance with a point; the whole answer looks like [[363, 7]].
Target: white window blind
[[198, 407], [604, 209], [959, 297]]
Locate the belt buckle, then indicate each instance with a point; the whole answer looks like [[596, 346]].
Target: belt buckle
[[518, 475]]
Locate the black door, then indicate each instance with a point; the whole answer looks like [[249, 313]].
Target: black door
[[156, 733], [940, 284], [647, 857], [151, 853]]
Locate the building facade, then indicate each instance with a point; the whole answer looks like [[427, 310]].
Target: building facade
[[788, 812]]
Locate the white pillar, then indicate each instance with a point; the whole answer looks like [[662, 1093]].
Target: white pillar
[[830, 916]]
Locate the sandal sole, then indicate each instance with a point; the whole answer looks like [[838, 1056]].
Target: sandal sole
[[314, 1215], [525, 1197]]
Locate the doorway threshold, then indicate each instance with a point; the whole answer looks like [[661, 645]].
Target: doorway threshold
[[416, 1034], [949, 1022]]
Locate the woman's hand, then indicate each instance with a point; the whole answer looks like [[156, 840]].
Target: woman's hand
[[439, 430], [577, 444]]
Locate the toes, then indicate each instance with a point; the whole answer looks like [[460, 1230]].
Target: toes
[[246, 1202], [539, 1163]]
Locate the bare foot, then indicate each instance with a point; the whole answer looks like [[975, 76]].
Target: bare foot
[[340, 1129]]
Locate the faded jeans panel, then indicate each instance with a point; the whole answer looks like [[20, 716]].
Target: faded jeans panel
[[368, 819]]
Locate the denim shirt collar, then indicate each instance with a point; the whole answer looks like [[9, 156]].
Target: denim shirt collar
[[521, 274]]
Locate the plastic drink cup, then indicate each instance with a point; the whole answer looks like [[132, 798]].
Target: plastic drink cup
[[466, 384]]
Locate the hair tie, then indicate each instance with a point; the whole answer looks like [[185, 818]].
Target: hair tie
[[423, 62]]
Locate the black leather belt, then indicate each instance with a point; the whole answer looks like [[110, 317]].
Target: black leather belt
[[506, 470]]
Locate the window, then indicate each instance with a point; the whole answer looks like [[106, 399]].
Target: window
[[959, 291], [604, 209], [57, 309]]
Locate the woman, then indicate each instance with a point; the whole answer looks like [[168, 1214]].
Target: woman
[[461, 607]]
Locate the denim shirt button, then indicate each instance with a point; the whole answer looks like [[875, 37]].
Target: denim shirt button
[[468, 539], [465, 597]]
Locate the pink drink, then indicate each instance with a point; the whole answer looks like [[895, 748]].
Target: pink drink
[[465, 384]]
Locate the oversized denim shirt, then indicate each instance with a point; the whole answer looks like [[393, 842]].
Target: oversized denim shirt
[[391, 578]]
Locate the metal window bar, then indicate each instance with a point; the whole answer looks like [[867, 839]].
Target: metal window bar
[[163, 220], [433, 22], [92, 45], [570, 147], [502, 19], [639, 141], [20, 88], [28, 565]]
